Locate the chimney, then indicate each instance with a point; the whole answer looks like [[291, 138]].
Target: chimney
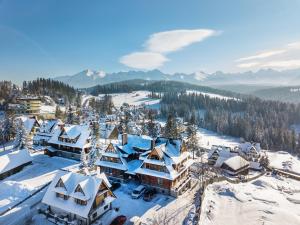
[[124, 139], [61, 126], [152, 144]]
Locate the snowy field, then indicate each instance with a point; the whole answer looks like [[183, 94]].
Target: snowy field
[[135, 98], [284, 160], [265, 201], [211, 95], [208, 138], [20, 185]]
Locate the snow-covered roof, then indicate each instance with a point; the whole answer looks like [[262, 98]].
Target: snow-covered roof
[[169, 154], [28, 122], [221, 152], [248, 147], [89, 184], [47, 126], [112, 153], [106, 129], [142, 142], [13, 159], [72, 132], [236, 162]]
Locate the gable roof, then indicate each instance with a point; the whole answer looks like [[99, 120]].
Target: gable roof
[[72, 131], [170, 155], [13, 159], [28, 122], [89, 185], [236, 162]]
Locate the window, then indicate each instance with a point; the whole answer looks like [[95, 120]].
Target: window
[[159, 181], [59, 195], [80, 202], [94, 215], [105, 207]]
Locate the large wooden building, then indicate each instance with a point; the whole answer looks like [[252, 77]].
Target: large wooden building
[[162, 164], [166, 167]]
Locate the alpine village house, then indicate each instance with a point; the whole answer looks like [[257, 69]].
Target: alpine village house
[[77, 197], [69, 141], [162, 164]]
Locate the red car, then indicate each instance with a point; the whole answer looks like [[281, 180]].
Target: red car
[[119, 220]]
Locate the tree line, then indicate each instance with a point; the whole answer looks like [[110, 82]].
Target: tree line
[[263, 121], [55, 89]]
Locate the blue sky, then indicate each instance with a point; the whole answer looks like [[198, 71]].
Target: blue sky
[[60, 37]]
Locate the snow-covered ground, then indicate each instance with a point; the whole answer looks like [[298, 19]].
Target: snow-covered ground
[[20, 185], [176, 210], [208, 138], [267, 200], [135, 98], [284, 160], [162, 207], [211, 95]]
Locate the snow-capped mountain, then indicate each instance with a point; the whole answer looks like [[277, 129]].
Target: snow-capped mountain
[[89, 78]]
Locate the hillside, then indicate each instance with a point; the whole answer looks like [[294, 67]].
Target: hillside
[[155, 86], [52, 88]]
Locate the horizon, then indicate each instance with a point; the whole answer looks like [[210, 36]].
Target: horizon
[[48, 39]]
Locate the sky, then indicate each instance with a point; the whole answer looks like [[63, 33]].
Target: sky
[[48, 38]]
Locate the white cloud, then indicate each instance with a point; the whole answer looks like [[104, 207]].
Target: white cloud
[[262, 55], [162, 43], [286, 57], [248, 65], [174, 40], [144, 60], [294, 45], [283, 64]]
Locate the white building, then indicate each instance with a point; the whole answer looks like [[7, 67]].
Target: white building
[[45, 132], [69, 141], [77, 197]]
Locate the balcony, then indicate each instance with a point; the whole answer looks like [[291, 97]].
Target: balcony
[[182, 186]]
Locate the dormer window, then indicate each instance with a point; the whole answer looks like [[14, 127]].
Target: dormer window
[[59, 195], [80, 202], [60, 183], [79, 189]]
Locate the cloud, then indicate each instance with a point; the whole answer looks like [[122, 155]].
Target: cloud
[[283, 64], [160, 44], [174, 40], [294, 45], [248, 65], [286, 57], [262, 55], [144, 60]]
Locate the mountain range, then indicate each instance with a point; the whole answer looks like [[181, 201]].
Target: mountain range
[[265, 77]]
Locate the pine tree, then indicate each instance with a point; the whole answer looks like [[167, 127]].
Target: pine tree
[[193, 144], [83, 158], [152, 128], [171, 129]]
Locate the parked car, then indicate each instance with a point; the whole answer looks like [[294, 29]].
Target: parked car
[[149, 194], [119, 220], [138, 192], [115, 185]]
